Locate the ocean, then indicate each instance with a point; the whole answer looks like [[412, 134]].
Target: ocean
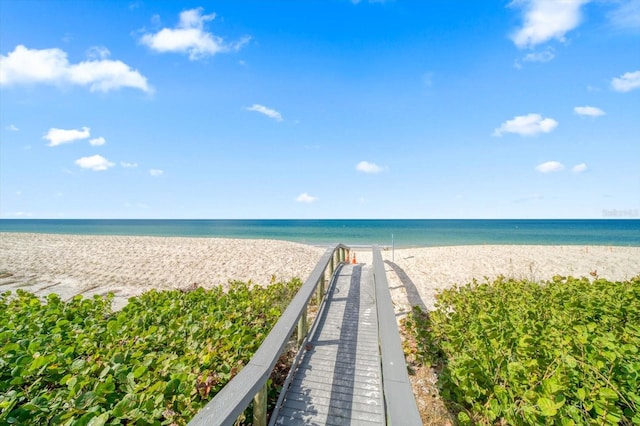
[[399, 233]]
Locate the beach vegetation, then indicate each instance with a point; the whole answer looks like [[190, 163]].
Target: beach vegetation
[[563, 352], [157, 361]]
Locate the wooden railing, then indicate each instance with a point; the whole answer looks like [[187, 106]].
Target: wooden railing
[[400, 403], [251, 382]]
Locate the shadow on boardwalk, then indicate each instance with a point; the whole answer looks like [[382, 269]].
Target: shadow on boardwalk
[[412, 291], [338, 380]]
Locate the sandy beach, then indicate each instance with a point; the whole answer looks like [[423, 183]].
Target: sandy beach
[[127, 266], [417, 275]]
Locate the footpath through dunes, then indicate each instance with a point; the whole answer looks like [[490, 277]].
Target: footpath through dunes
[[349, 368], [339, 377], [346, 371], [129, 265]]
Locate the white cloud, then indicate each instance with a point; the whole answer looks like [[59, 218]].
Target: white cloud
[[60, 136], [626, 82], [544, 56], [25, 65], [97, 141], [12, 127], [550, 166], [579, 168], [21, 214], [142, 205], [271, 113], [526, 125], [98, 52], [627, 15], [51, 66], [128, 165], [527, 198], [366, 167], [156, 172], [138, 205], [190, 37], [95, 163], [105, 75], [306, 198], [589, 111], [545, 20]]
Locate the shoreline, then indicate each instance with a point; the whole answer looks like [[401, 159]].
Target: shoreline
[[70, 264], [357, 246], [403, 233]]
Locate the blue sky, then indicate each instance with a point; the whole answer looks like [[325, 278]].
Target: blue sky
[[320, 109]]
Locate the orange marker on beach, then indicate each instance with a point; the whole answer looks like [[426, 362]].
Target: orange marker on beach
[[354, 259]]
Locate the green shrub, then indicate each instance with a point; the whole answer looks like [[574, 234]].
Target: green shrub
[[561, 352], [157, 361]]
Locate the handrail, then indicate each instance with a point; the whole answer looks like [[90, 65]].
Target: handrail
[[298, 358], [251, 381], [399, 400]]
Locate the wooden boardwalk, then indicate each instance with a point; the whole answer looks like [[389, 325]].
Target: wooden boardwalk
[[337, 376], [339, 380]]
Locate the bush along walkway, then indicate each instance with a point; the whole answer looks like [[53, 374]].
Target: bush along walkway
[[515, 352]]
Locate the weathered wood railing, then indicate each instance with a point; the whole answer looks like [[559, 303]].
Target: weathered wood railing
[[400, 403], [251, 382]]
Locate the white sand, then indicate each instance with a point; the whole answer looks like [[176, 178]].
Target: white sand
[[83, 264], [417, 275], [80, 264]]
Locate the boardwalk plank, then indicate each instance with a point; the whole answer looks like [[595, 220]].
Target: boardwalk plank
[[338, 381], [322, 397]]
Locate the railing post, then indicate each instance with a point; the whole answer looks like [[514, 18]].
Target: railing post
[[302, 326], [331, 267], [320, 290], [260, 407]]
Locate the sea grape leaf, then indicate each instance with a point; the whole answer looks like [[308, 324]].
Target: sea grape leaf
[[547, 407], [139, 371], [608, 394], [551, 385], [78, 364], [463, 418], [123, 407], [85, 400], [570, 361], [100, 420]]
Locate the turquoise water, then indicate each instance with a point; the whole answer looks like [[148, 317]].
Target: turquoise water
[[406, 233]]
